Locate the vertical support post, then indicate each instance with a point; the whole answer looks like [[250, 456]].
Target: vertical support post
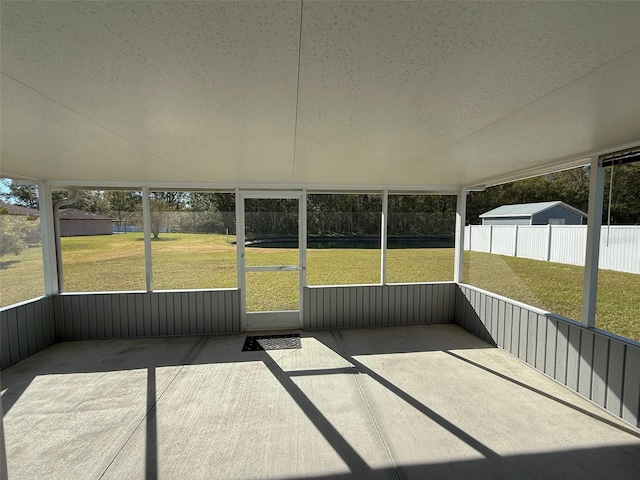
[[383, 237], [48, 239], [547, 255], [461, 215], [302, 246], [240, 258], [594, 225], [146, 225], [515, 240]]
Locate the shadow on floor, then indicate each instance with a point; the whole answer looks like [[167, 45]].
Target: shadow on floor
[[151, 354]]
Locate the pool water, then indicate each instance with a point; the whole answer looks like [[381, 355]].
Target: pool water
[[443, 241]]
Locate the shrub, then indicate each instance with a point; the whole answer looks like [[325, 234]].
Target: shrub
[[16, 233]]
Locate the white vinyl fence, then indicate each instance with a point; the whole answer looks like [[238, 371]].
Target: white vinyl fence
[[619, 245]]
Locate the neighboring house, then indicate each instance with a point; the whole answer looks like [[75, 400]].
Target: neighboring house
[[74, 222], [542, 213], [30, 213]]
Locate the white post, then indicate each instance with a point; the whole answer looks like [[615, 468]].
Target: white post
[[302, 245], [146, 226], [469, 230], [490, 238], [383, 237], [548, 252], [515, 240], [461, 214], [48, 239], [240, 257], [594, 225]]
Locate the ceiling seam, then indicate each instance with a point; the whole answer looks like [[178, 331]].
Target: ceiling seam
[[295, 128], [636, 48], [92, 121]]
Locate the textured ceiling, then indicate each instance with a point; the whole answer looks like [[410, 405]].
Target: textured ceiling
[[433, 94]]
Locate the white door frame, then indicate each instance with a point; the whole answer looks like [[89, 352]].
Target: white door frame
[[271, 320]]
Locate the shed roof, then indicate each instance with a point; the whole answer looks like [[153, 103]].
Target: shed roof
[[282, 93], [19, 210], [75, 214], [527, 209]]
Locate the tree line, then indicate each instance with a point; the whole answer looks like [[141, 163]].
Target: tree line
[[346, 214], [570, 186]]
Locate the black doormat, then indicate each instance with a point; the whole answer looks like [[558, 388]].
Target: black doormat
[[272, 342]]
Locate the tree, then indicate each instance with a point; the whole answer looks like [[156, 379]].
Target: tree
[[160, 215], [568, 186], [625, 198], [16, 233], [94, 202], [18, 194]]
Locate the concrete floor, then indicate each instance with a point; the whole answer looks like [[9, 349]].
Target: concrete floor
[[399, 402]]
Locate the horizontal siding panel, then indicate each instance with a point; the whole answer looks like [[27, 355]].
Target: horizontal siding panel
[[379, 305], [562, 347], [586, 361], [573, 357], [26, 329], [532, 338], [541, 342], [631, 387], [5, 339], [31, 324], [615, 377], [122, 315], [550, 348], [592, 363]]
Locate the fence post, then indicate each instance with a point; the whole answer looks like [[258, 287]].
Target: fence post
[[515, 240], [470, 246], [548, 254], [490, 238]]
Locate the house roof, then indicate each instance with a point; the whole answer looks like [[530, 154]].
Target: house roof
[[283, 93], [527, 209], [19, 210], [75, 214]]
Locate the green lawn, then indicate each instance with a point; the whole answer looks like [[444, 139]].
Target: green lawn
[[557, 288], [186, 261], [21, 276]]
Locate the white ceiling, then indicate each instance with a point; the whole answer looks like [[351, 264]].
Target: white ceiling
[[438, 94]]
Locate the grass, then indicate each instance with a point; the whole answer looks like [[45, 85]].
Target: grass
[[21, 276], [557, 288], [191, 261]]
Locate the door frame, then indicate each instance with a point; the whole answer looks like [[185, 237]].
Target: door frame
[[271, 320]]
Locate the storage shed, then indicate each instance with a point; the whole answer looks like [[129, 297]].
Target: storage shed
[[74, 222], [541, 213]]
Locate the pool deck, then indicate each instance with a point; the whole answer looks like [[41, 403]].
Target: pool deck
[[410, 402]]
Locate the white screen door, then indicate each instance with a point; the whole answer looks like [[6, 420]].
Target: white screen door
[[270, 260]]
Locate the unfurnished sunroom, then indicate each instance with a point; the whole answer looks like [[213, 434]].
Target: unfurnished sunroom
[[130, 368]]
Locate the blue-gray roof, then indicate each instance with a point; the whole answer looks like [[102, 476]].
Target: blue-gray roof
[[526, 209]]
